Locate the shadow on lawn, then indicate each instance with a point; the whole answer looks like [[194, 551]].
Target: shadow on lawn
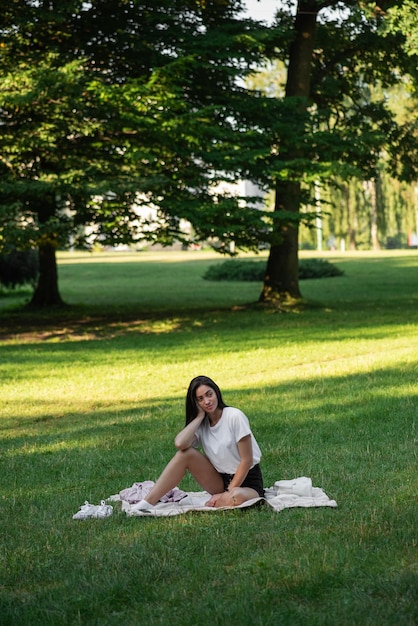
[[265, 328], [80, 324], [388, 294]]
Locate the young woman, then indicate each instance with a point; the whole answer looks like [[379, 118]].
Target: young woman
[[229, 468]]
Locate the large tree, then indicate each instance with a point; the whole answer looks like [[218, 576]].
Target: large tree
[[108, 105], [329, 124]]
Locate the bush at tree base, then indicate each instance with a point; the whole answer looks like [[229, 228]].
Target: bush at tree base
[[245, 270], [19, 267]]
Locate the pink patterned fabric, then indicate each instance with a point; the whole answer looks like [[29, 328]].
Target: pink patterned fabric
[[139, 491]]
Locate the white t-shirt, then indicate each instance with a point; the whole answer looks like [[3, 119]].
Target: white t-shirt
[[220, 442]]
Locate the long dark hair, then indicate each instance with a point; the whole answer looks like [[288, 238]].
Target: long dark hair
[[191, 405]]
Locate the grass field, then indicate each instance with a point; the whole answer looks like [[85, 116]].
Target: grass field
[[92, 397]]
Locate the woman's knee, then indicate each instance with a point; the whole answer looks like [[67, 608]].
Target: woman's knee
[[187, 455], [187, 452]]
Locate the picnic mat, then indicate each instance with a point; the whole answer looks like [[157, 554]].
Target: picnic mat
[[284, 494]]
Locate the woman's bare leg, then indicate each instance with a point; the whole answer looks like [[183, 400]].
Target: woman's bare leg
[[198, 465], [236, 496]]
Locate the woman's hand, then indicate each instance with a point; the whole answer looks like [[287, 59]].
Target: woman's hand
[[185, 437], [216, 500], [201, 414]]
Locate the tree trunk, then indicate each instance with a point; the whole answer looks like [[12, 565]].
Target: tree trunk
[[46, 293], [370, 188], [281, 281], [351, 217]]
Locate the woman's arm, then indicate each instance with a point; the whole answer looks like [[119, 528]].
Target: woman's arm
[[185, 437], [245, 448]]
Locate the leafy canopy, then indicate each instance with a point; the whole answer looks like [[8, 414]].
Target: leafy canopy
[[110, 106]]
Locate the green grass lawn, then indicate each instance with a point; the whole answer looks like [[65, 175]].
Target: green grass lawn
[[92, 397]]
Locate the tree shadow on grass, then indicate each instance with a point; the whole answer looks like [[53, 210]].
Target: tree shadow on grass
[[261, 330]]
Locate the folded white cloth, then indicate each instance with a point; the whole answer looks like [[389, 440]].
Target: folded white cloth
[[298, 487]]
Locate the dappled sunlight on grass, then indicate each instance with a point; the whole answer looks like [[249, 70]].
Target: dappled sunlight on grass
[[89, 328]]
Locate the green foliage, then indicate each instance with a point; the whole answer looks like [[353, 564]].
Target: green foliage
[[119, 116], [248, 270], [235, 269], [19, 267], [147, 108], [318, 268], [396, 242], [403, 20]]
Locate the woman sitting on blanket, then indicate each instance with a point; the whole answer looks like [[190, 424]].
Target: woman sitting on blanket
[[229, 468]]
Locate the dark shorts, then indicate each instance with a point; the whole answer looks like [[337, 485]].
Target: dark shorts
[[254, 480]]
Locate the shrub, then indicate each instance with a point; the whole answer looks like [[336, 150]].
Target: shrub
[[18, 268], [234, 269], [318, 268], [245, 270], [397, 242]]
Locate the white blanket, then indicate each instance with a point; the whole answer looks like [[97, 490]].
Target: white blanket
[[284, 494]]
